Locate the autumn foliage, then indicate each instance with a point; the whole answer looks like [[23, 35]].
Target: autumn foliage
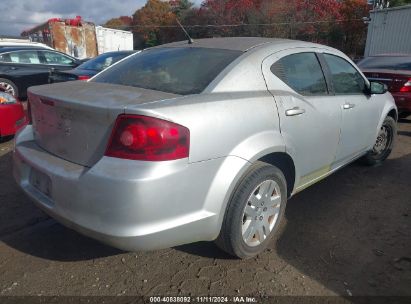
[[334, 22]]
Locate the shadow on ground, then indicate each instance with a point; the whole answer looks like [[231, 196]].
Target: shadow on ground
[[26, 228], [351, 232]]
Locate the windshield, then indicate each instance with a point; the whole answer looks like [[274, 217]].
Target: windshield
[[103, 61], [175, 70], [389, 63]]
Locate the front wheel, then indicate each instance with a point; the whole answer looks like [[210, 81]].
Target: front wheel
[[254, 212], [384, 143]]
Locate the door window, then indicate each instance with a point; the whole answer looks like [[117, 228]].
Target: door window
[[57, 59], [302, 72], [30, 57], [345, 78]]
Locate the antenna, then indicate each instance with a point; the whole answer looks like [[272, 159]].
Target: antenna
[[190, 40]]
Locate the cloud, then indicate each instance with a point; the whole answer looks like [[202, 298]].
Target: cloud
[[24, 14]]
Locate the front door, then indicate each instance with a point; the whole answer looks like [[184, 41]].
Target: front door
[[360, 115]]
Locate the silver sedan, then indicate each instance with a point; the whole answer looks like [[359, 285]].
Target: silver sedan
[[199, 142]]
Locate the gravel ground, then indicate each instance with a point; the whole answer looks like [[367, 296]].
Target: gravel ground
[[347, 235]]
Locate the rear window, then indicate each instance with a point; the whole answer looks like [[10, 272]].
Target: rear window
[[175, 70], [302, 72], [103, 61], [389, 63]]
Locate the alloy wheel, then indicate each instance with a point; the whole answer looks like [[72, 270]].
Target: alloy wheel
[[383, 141], [7, 88], [261, 213]]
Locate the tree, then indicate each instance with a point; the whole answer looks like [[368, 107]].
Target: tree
[[231, 12], [121, 22], [181, 7], [353, 28], [151, 22], [337, 23], [317, 19]]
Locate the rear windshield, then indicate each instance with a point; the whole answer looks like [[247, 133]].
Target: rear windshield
[[181, 71], [103, 61], [389, 63]]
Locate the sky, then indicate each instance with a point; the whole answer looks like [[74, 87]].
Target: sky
[[18, 15]]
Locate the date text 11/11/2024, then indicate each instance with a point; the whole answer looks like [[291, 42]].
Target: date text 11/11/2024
[[203, 299]]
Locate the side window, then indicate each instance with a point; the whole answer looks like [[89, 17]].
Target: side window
[[302, 72], [30, 57], [57, 59], [345, 78], [5, 57]]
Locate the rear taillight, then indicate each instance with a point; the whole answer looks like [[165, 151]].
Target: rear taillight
[[406, 87], [147, 138], [83, 77]]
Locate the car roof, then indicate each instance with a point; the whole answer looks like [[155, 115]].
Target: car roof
[[229, 43], [4, 49], [31, 48]]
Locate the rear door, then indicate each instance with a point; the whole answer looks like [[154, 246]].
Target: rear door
[[310, 118], [24, 67], [361, 112]]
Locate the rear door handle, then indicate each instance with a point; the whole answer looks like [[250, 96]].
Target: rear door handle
[[348, 106], [294, 111]]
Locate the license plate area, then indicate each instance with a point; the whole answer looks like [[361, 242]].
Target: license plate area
[[41, 182]]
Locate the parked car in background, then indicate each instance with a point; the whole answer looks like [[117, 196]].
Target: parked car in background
[[22, 43], [90, 68], [395, 72], [12, 116], [199, 141], [21, 68]]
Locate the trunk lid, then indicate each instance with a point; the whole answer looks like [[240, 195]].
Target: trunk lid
[[394, 79], [74, 120]]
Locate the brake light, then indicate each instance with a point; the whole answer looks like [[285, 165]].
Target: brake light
[[406, 87], [146, 138], [83, 77]]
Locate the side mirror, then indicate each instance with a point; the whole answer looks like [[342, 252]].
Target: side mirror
[[377, 88]]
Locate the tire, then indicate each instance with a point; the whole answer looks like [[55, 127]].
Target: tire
[[384, 144], [241, 235], [8, 86]]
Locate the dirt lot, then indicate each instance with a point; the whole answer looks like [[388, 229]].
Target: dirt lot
[[349, 234]]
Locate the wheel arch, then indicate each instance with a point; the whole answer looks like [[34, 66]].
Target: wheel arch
[[285, 163], [393, 113]]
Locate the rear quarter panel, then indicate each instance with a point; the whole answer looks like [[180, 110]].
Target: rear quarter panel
[[242, 124]]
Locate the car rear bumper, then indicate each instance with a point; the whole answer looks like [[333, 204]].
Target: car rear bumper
[[131, 205], [403, 101]]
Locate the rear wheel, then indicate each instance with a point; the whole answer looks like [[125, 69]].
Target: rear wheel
[[384, 143], [8, 86], [254, 212]]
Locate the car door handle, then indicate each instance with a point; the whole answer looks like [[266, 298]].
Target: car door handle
[[294, 111], [348, 106]]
